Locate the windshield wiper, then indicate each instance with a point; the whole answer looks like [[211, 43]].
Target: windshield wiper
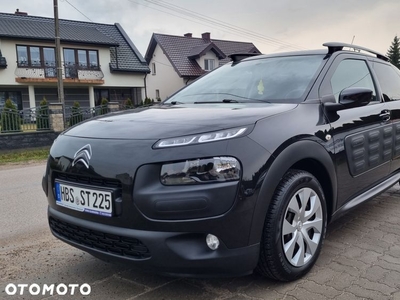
[[174, 102], [233, 101], [222, 101]]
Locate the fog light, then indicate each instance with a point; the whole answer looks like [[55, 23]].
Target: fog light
[[212, 242]]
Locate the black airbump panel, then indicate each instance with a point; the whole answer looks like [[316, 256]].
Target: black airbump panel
[[396, 140], [369, 149]]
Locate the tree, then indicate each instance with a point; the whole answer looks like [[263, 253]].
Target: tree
[[10, 118], [104, 106], [394, 52], [128, 103], [76, 114], [42, 116]]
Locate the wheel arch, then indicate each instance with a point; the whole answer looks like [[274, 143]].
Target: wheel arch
[[304, 155]]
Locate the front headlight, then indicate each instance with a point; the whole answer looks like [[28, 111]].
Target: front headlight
[[201, 138], [205, 170]]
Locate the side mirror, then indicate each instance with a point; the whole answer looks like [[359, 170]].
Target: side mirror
[[349, 98]]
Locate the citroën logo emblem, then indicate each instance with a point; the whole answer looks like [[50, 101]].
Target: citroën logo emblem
[[83, 155]]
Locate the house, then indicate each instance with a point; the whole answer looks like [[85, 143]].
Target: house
[[99, 61], [175, 61]]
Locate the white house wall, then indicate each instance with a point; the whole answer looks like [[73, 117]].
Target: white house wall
[[208, 55], [9, 51], [166, 80], [115, 79]]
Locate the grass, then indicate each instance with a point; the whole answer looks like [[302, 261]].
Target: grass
[[25, 155]]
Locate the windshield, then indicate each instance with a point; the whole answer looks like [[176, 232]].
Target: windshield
[[274, 79]]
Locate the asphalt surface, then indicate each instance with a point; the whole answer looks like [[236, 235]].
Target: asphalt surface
[[360, 258]]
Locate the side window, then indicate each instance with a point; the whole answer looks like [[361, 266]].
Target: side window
[[389, 80], [352, 73]]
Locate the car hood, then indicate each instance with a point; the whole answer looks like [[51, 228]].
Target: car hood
[[164, 121]]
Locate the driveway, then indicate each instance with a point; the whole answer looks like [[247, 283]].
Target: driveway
[[359, 260]]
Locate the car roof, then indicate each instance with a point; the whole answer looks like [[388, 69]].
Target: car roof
[[333, 47]]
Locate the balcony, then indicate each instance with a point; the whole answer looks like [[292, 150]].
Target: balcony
[[3, 62], [73, 73]]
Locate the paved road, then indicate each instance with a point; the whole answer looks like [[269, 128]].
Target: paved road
[[360, 258]]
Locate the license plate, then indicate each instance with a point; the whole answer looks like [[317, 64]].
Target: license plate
[[93, 201]]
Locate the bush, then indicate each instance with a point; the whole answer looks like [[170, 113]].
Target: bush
[[128, 103], [42, 116], [76, 114], [10, 118], [104, 106], [147, 101]]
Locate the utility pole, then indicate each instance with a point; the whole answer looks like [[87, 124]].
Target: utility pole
[[60, 84]]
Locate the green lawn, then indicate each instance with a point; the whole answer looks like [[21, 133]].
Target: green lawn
[[19, 156]]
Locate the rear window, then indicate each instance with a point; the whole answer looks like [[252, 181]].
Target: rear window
[[274, 79]]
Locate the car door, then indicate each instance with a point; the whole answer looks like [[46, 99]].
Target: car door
[[362, 135], [388, 77]]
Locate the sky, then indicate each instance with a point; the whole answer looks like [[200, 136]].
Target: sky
[[271, 25]]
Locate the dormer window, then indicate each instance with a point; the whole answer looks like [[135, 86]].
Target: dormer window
[[209, 64]]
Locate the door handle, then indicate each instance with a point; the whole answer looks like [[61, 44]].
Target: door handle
[[385, 115]]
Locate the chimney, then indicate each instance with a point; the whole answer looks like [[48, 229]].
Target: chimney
[[20, 13], [188, 35], [206, 36]]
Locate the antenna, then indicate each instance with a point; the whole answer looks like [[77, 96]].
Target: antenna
[[352, 41]]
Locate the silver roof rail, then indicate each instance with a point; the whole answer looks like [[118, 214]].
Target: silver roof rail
[[335, 46]]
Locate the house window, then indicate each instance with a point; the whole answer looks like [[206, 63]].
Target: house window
[[22, 56], [34, 56], [209, 64], [37, 57], [15, 98], [79, 59], [49, 61], [153, 68], [158, 94], [99, 94]]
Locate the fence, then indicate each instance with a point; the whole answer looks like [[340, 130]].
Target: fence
[[40, 126], [32, 119], [51, 117], [75, 115]]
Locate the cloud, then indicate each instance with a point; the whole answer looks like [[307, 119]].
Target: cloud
[[307, 23]]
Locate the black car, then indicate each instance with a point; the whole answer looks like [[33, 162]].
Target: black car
[[240, 171]]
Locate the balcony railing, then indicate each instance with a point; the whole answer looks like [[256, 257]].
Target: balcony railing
[[3, 61], [49, 70]]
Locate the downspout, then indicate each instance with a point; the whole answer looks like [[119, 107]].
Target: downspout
[[145, 85]]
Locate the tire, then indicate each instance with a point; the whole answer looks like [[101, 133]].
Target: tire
[[292, 238]]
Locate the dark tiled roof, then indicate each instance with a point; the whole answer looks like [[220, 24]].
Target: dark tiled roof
[[178, 49], [198, 51], [76, 32]]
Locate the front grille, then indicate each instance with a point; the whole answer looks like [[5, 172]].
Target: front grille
[[102, 182], [105, 242]]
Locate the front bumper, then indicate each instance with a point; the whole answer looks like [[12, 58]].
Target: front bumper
[[174, 253]]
